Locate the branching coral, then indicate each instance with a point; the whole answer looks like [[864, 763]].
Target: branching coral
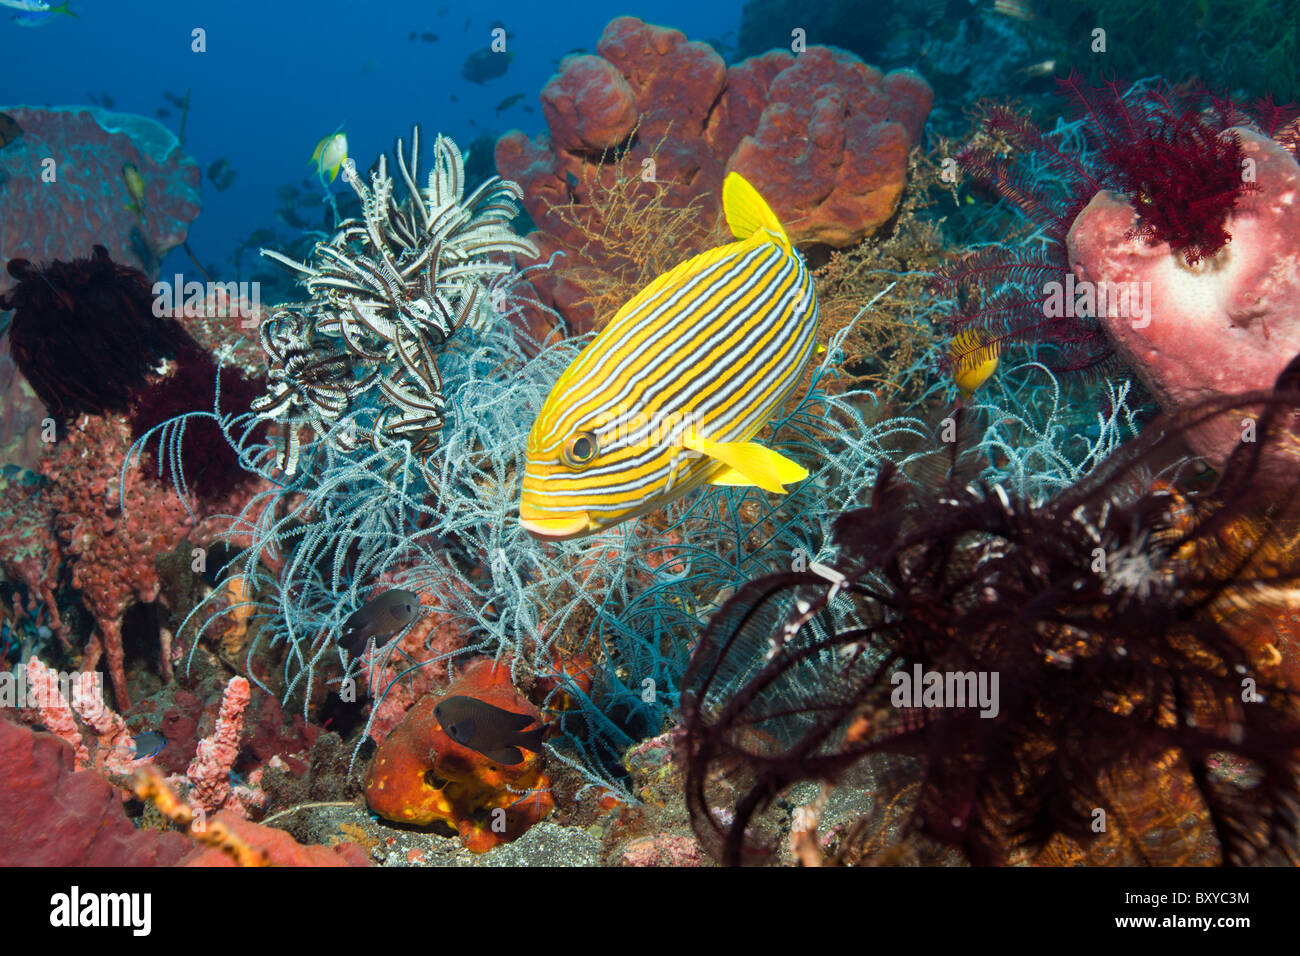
[[633, 229], [885, 349], [387, 292], [1109, 615]]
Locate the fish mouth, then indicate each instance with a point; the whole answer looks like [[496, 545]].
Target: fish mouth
[[557, 529]]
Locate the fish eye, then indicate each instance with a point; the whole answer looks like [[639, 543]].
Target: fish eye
[[579, 450]]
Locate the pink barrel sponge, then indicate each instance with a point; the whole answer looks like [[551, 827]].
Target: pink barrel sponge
[[1230, 323]]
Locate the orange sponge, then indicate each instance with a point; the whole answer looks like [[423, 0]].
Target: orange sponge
[[419, 775]]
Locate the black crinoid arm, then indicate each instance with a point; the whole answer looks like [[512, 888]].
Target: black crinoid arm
[[1133, 625]]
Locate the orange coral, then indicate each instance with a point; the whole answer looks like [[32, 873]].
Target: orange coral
[[421, 776]]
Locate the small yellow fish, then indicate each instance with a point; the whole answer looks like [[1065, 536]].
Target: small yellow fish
[[329, 154], [134, 188], [670, 395], [974, 360]]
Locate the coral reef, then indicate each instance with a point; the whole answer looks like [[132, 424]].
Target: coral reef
[[87, 337], [1159, 145], [85, 715], [387, 293], [277, 847], [21, 413], [662, 850], [111, 529], [420, 776], [84, 333], [65, 191], [173, 413], [52, 814], [678, 119], [31, 558], [1113, 614], [1224, 325], [209, 772], [102, 741], [231, 840]]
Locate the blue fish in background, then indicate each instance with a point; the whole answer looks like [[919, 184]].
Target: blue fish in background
[[36, 13], [148, 745]]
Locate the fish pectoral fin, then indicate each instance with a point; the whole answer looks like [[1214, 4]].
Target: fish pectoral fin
[[749, 463], [730, 478]]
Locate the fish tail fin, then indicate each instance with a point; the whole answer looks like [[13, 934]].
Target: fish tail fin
[[747, 212], [532, 740], [63, 9]]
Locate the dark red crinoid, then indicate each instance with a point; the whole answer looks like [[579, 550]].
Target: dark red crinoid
[[209, 465], [1170, 153], [84, 332], [1173, 158], [86, 336]]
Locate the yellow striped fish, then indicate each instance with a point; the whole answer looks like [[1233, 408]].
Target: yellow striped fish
[[669, 394]]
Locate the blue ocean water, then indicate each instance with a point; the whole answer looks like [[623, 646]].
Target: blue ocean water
[[277, 77]]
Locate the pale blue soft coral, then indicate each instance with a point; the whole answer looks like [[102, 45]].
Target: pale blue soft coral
[[446, 525], [1041, 436]]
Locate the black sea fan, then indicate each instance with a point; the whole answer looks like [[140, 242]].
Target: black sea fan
[[84, 332], [1109, 623]]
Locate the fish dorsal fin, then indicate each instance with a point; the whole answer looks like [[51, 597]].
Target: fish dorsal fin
[[748, 463], [747, 212]]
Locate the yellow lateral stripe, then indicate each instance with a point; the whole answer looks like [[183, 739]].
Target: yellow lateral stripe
[[746, 365], [624, 316], [612, 344]]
